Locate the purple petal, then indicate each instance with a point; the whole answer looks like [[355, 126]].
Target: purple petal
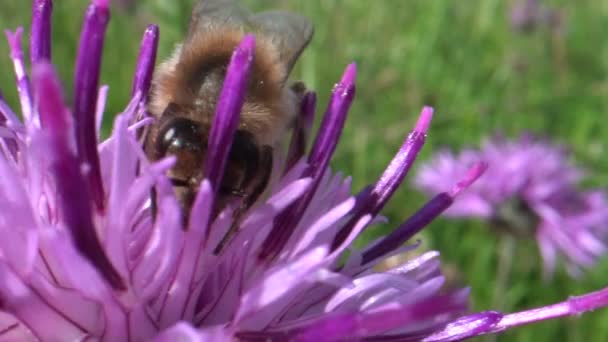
[[190, 257], [74, 199], [40, 35], [30, 308], [23, 82], [81, 276], [494, 322], [100, 107], [393, 175], [351, 299], [260, 304], [86, 82], [422, 217], [574, 306], [323, 148], [183, 331], [11, 329], [9, 118], [123, 167], [333, 120], [315, 234], [257, 225], [146, 62], [228, 110], [301, 130], [19, 243], [471, 176], [290, 193], [401, 163], [362, 324], [465, 327], [160, 258]]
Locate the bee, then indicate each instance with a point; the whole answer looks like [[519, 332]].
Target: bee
[[186, 88]]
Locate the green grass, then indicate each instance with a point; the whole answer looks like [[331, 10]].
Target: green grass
[[459, 56]]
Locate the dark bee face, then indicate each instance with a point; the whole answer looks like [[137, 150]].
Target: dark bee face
[[247, 168], [186, 140]]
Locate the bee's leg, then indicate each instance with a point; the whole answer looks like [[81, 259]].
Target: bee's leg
[[153, 207], [299, 88], [263, 169]]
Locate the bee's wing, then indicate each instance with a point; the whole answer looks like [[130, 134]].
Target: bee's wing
[[289, 32], [210, 14]]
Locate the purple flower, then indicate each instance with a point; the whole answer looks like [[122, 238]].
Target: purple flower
[[81, 257], [527, 15], [530, 188]]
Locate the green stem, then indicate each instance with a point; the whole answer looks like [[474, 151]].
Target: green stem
[[506, 253]]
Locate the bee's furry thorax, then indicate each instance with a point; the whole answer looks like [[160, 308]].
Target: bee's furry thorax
[[193, 75]]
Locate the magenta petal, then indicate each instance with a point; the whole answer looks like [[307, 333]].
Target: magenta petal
[[185, 332], [466, 327], [75, 202], [40, 36], [393, 175], [19, 243], [23, 82], [191, 252], [322, 150], [423, 216], [362, 324], [317, 233], [100, 106], [160, 258], [301, 130], [351, 298], [11, 329], [290, 193], [29, 308], [401, 163], [123, 168], [334, 118], [82, 276], [9, 117], [228, 110], [261, 303], [146, 62], [86, 83]]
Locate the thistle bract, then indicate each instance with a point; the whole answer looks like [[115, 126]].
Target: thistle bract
[[530, 190]]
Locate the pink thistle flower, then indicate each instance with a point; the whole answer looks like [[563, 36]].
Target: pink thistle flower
[[82, 258], [530, 188], [528, 15]]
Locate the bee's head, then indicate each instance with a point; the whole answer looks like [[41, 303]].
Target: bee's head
[[177, 133]]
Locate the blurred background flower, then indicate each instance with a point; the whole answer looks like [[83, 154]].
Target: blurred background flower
[[463, 57], [531, 190], [529, 15]]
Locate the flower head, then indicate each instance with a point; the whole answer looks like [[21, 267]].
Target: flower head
[[530, 188], [82, 257]]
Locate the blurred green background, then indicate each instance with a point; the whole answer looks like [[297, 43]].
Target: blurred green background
[[462, 57]]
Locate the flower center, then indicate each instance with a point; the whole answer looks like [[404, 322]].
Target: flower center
[[515, 217]]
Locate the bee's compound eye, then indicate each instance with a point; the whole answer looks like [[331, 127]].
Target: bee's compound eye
[[180, 134]]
